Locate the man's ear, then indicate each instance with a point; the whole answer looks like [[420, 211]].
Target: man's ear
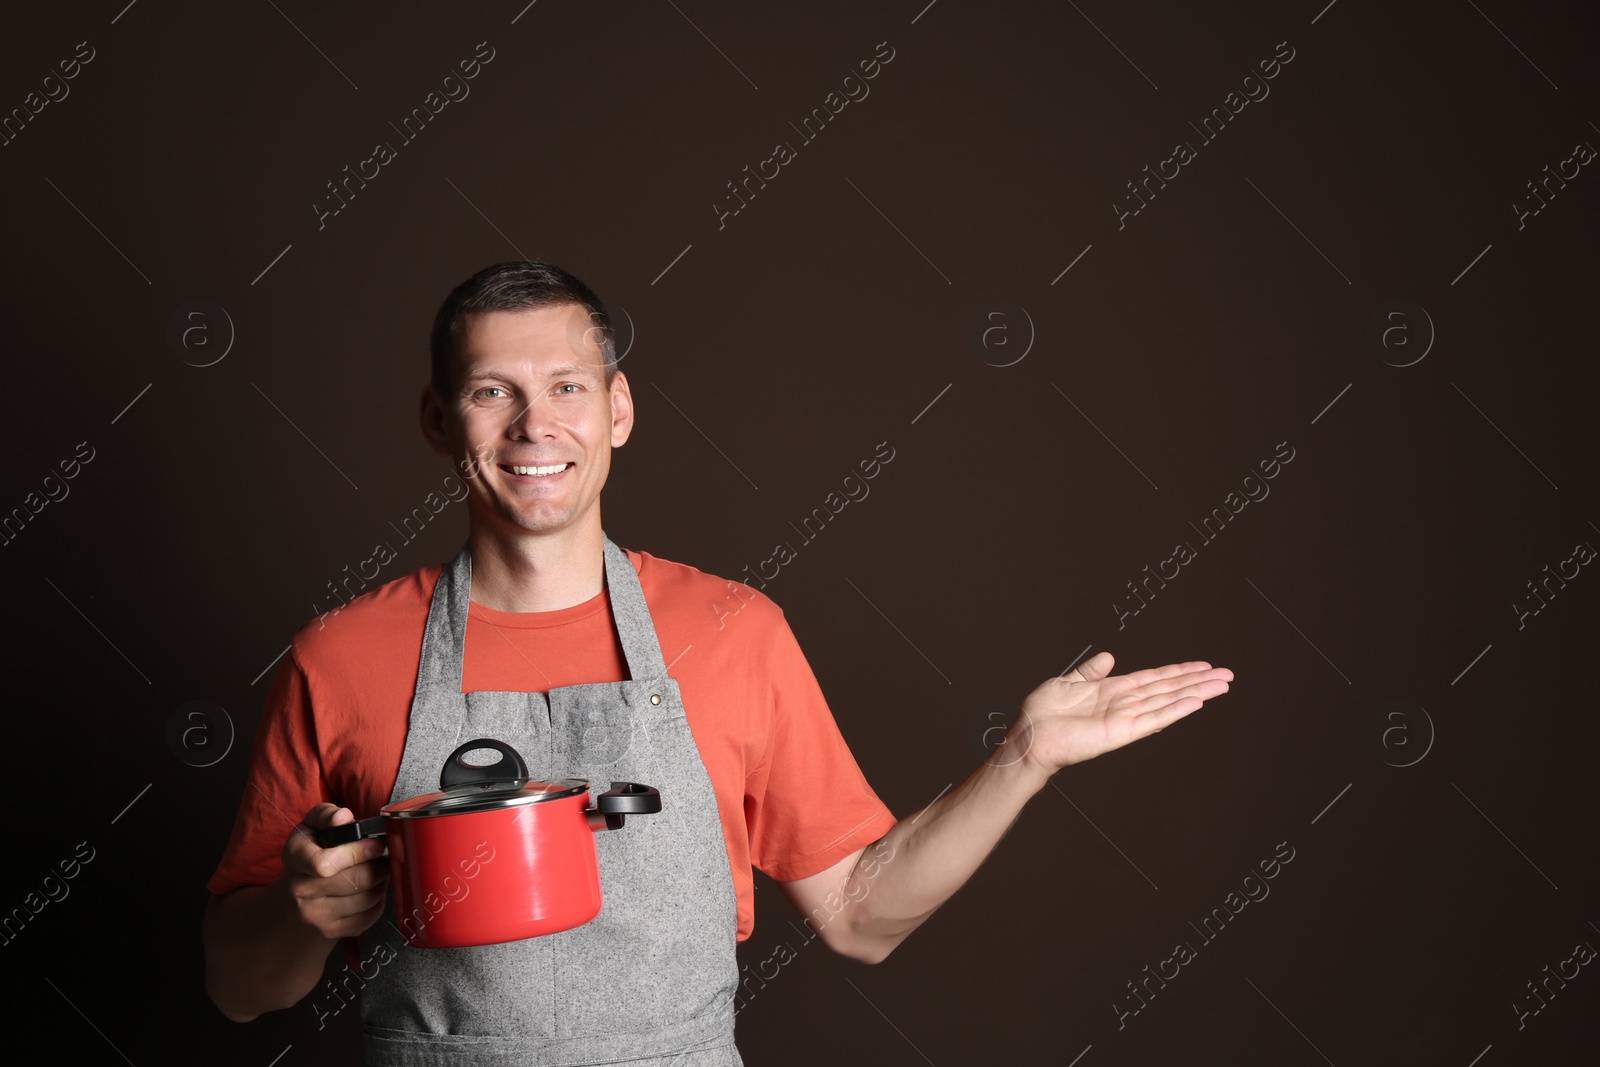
[[621, 410], [432, 417]]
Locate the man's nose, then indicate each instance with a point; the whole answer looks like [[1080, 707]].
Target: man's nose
[[533, 421]]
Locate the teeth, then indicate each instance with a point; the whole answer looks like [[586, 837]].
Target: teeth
[[552, 469]]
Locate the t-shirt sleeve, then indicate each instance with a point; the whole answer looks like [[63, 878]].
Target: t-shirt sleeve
[[807, 804], [284, 781]]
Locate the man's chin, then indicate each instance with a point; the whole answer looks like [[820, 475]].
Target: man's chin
[[534, 523], [507, 518]]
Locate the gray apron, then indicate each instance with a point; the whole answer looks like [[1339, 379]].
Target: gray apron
[[651, 980]]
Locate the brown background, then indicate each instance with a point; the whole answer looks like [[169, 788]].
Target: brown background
[[1230, 315]]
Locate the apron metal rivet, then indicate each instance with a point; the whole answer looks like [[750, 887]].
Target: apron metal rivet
[[655, 698]]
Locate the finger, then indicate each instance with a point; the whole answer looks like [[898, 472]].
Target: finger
[[1199, 692], [334, 909], [1129, 693], [1156, 721], [1180, 681], [1171, 670], [353, 881], [303, 855], [365, 920], [318, 818], [328, 814], [326, 909], [371, 915], [1160, 714], [1096, 666], [340, 860], [347, 917]]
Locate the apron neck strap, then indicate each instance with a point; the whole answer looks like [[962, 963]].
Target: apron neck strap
[[635, 628], [444, 642]]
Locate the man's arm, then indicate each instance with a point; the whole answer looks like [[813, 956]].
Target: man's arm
[[870, 901], [266, 945]]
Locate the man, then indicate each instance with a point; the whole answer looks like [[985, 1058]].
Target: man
[[543, 634]]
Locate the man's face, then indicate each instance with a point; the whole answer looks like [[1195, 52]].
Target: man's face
[[531, 411]]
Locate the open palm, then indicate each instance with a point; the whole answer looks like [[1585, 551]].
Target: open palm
[[1088, 711]]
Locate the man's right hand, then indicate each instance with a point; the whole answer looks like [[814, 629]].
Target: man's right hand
[[338, 891], [266, 944]]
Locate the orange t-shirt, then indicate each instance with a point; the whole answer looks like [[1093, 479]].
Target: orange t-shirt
[[793, 801]]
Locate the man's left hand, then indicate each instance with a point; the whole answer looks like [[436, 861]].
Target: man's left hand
[[1089, 711]]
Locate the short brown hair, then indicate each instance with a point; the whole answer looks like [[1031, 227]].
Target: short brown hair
[[518, 285]]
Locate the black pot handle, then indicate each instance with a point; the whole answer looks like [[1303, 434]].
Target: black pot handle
[[351, 831], [622, 800], [456, 773]]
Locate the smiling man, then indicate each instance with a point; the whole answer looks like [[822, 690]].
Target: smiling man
[[545, 635]]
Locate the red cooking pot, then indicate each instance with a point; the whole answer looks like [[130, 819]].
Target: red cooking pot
[[496, 855]]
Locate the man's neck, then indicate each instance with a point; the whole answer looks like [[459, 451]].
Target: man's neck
[[545, 572]]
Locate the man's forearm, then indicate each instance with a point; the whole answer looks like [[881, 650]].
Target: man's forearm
[[923, 860], [1075, 716], [260, 955]]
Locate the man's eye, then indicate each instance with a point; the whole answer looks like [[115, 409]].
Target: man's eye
[[564, 387], [490, 389]]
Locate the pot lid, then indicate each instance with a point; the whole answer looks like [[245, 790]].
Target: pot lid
[[485, 796]]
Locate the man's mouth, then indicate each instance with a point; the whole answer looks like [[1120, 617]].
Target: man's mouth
[[535, 472]]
